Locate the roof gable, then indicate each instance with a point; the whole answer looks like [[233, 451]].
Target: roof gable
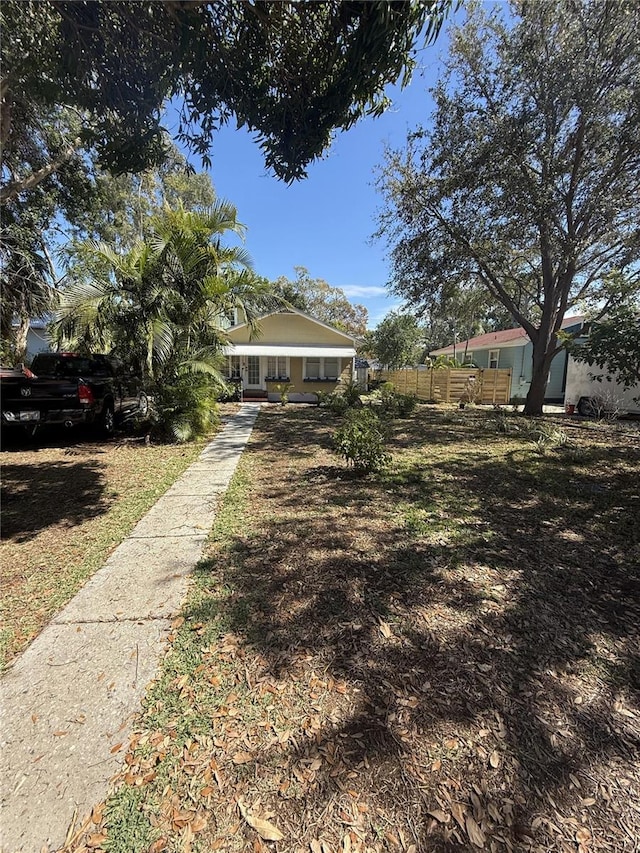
[[291, 326]]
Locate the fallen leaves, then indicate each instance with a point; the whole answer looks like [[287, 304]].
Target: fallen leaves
[[439, 815], [476, 835], [265, 829], [385, 630], [309, 719], [242, 758]]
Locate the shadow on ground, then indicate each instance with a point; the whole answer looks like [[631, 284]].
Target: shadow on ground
[[474, 610], [43, 494]]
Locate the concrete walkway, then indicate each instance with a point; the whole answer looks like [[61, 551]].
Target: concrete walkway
[[69, 701]]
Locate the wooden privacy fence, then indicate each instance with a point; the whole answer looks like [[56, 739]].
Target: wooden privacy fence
[[451, 385]]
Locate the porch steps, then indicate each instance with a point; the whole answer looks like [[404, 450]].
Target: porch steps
[[254, 396]]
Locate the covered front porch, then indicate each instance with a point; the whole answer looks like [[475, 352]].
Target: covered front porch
[[260, 368]]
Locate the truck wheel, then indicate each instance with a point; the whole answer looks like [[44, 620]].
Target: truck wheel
[[106, 422]]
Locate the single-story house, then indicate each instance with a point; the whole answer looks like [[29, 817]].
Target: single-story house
[[511, 348], [291, 347]]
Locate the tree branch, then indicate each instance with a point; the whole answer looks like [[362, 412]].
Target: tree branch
[[14, 188]]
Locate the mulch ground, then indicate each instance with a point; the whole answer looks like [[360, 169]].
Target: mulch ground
[[444, 657]]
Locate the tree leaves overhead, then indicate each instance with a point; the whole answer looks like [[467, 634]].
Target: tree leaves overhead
[[291, 72]]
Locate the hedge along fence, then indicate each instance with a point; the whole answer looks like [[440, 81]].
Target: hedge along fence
[[452, 385]]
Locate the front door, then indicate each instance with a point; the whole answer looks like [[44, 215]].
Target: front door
[[253, 378]]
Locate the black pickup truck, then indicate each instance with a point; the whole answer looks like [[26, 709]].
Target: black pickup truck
[[68, 389]]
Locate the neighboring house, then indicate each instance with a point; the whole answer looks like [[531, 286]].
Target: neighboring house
[[38, 339], [511, 348], [291, 347]]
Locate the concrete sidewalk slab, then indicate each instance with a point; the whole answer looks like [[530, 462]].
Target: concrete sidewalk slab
[[109, 597], [69, 701]]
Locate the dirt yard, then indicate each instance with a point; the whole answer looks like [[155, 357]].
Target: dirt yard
[[443, 657]]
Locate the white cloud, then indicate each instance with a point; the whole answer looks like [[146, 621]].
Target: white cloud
[[354, 291]]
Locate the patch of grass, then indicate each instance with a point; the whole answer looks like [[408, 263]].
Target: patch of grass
[[130, 830], [448, 645]]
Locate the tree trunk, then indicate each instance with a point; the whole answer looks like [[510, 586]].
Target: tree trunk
[[540, 373], [21, 339]]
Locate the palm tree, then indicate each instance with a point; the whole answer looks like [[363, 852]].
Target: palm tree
[[165, 303], [25, 287]]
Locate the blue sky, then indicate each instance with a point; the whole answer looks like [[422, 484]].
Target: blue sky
[[325, 223]]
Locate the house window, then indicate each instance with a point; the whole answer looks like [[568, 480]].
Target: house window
[[494, 357], [467, 358], [331, 368], [233, 367], [322, 368], [277, 367], [313, 368]]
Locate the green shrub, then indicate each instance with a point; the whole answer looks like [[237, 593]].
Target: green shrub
[[185, 408], [337, 403], [351, 392], [393, 404], [406, 404], [361, 441], [284, 389]]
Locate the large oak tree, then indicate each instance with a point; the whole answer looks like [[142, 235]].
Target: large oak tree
[[528, 177]]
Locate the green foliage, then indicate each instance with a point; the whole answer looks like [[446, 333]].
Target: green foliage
[[361, 441], [284, 388], [185, 408], [393, 404], [346, 397], [323, 302], [544, 435], [336, 403], [291, 72], [547, 437], [398, 341], [128, 826], [526, 178], [351, 392], [163, 306]]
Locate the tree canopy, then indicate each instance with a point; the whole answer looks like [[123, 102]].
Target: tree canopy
[[528, 178], [398, 341], [322, 301], [162, 305], [78, 202], [292, 73]]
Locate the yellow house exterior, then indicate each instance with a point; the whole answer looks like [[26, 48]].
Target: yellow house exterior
[[292, 347]]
